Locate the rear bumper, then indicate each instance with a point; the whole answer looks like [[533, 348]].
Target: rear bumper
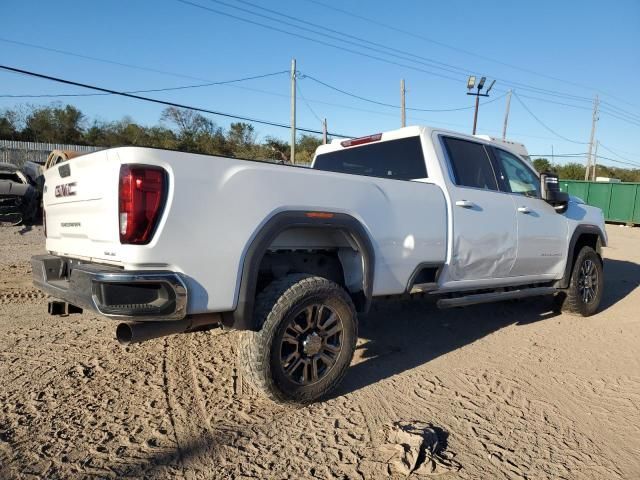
[[115, 293]]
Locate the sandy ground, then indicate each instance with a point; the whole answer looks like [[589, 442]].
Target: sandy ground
[[513, 390]]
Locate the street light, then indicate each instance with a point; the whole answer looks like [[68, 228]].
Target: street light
[[470, 84]]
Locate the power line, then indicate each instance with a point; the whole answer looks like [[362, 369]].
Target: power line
[[125, 65], [369, 100], [184, 87], [154, 70], [342, 48], [160, 102], [543, 124], [557, 154], [567, 155], [376, 102], [636, 165], [315, 40], [212, 112], [622, 111], [321, 30], [307, 103], [461, 50], [281, 95], [103, 60], [580, 107], [624, 119], [614, 152]]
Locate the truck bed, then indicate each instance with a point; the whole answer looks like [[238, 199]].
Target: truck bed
[[216, 205]]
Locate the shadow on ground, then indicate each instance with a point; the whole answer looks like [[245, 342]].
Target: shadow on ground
[[401, 335], [620, 279]]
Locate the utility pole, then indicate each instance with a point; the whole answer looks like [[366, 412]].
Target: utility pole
[[553, 160], [475, 114], [595, 162], [324, 131], [594, 119], [403, 110], [506, 117], [293, 111]]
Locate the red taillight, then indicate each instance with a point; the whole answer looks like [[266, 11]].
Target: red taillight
[[361, 141], [141, 198]]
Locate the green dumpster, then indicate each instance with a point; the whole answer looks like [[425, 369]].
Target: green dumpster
[[575, 187], [636, 210], [620, 202], [623, 199], [600, 196]]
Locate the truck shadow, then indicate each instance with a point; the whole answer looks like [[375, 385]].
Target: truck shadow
[[621, 278], [400, 335]]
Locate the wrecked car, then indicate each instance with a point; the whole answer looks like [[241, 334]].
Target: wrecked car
[[19, 198]]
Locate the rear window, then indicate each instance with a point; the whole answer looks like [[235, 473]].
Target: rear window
[[470, 164], [400, 159]]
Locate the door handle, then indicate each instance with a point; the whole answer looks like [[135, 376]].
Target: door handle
[[465, 204], [524, 210]]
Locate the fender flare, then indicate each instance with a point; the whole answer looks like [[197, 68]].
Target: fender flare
[[571, 253], [242, 317]]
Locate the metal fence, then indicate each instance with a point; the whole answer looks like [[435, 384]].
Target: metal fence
[[18, 153]]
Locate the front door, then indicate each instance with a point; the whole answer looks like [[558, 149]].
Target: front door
[[542, 232]]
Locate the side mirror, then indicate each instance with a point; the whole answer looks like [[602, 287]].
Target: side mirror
[[550, 192]]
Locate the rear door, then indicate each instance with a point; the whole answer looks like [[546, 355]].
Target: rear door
[[484, 228], [542, 232]]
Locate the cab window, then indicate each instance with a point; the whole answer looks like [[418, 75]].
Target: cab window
[[516, 176]]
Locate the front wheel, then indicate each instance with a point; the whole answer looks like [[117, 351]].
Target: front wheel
[[585, 287], [306, 341]]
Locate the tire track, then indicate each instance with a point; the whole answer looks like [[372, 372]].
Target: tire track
[[194, 437], [172, 418]]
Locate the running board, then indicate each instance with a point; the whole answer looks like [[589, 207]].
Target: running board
[[494, 297]]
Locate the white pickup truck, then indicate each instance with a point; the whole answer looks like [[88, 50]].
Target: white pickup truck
[[171, 242]]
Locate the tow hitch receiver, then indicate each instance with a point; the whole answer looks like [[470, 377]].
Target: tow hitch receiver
[[62, 309]]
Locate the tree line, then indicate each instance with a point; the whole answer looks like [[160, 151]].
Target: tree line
[[189, 131], [177, 129], [575, 171]]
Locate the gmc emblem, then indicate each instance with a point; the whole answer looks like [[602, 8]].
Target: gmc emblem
[[65, 190]]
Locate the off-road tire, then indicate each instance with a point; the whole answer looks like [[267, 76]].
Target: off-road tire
[[260, 351], [571, 299]]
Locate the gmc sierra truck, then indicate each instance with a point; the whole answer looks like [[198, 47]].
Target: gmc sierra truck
[[169, 242]]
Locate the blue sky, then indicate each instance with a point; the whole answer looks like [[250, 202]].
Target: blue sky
[[588, 47]]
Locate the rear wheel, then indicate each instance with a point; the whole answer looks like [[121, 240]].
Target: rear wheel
[[585, 287], [306, 341]]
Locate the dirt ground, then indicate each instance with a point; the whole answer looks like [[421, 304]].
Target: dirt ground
[[513, 390]]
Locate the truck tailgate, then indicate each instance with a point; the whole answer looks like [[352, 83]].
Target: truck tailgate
[[81, 207]]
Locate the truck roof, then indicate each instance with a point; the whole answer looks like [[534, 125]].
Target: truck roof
[[414, 130]]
